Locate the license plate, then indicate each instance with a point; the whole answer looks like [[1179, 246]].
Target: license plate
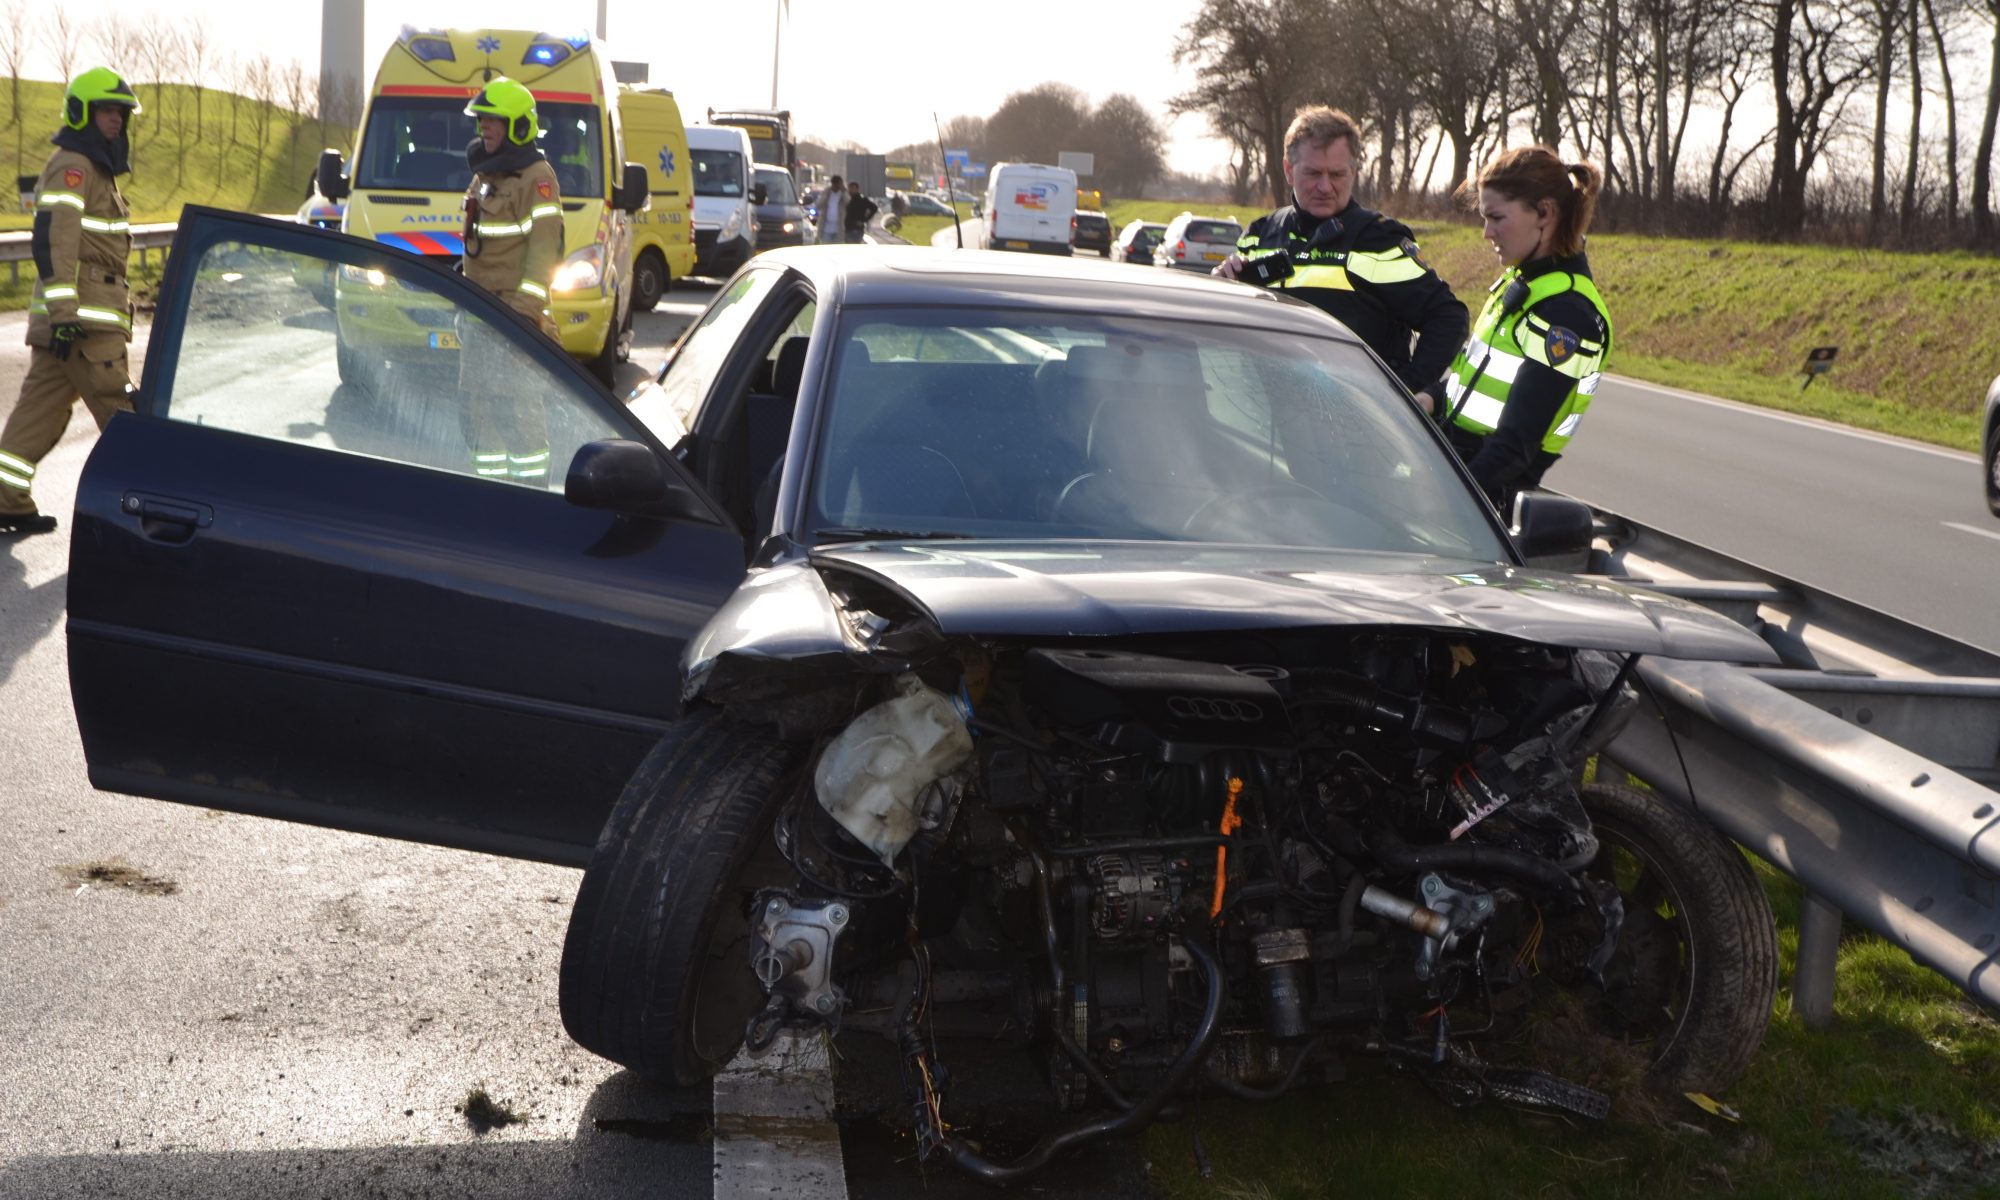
[[1015, 245], [1214, 255], [441, 340]]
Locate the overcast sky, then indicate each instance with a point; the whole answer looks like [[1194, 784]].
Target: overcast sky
[[871, 73]]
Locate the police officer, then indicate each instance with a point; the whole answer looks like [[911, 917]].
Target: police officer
[[80, 317], [513, 245], [1526, 375], [1358, 266]]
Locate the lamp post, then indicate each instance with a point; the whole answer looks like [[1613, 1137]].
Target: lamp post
[[779, 11]]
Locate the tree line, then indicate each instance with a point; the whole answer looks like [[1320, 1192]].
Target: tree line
[[1800, 95], [1038, 123]]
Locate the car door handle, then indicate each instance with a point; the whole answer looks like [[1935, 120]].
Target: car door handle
[[167, 519]]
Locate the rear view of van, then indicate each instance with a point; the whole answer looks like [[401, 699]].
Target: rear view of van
[[725, 224], [1028, 207], [663, 233]]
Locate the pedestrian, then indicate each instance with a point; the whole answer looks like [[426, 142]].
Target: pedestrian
[[1358, 266], [859, 211], [832, 207], [80, 316], [513, 244], [1526, 375]]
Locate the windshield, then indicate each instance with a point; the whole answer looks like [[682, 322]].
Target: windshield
[[417, 143], [1008, 423], [717, 172], [1213, 231], [778, 187]]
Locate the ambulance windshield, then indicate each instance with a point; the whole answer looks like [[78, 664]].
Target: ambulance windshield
[[417, 143]]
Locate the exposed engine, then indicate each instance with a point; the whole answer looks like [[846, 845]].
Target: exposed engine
[[1220, 863]]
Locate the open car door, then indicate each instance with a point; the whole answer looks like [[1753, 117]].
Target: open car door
[[327, 572]]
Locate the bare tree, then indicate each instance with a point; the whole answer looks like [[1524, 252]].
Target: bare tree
[[62, 37], [198, 56], [1943, 49], [1737, 69], [1982, 158], [1125, 136], [1033, 125], [301, 91], [1257, 61], [1913, 17], [1814, 70], [340, 109], [1456, 63], [1884, 20], [258, 81], [17, 41]]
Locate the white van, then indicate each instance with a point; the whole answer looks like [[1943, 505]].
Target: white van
[[725, 221], [1029, 207]]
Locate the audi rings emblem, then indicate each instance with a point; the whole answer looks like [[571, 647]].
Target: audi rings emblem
[[1214, 708]]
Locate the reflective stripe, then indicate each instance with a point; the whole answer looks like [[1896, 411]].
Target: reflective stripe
[[16, 464], [534, 289], [59, 291], [38, 305], [1481, 410], [51, 199], [1499, 366], [494, 229], [1321, 275], [544, 210], [1567, 426], [100, 225], [1384, 266], [1587, 386], [103, 316], [12, 480]]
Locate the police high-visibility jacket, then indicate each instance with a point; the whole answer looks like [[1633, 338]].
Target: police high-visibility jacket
[[81, 241], [1528, 372], [513, 227], [1362, 269]]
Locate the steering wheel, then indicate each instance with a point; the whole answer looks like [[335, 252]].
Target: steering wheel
[[1255, 503]]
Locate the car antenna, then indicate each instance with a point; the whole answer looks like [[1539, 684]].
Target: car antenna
[[944, 164]]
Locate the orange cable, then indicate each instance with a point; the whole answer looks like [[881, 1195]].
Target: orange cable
[[1230, 824]]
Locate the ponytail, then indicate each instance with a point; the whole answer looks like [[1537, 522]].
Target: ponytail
[[1532, 174]]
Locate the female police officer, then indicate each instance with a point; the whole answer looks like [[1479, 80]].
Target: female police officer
[[1527, 373]]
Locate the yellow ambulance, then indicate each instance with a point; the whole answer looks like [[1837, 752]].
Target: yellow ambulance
[[662, 235], [408, 177]]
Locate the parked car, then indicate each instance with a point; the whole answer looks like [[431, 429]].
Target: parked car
[[1091, 231], [781, 219], [1137, 241], [922, 204], [921, 590], [1992, 447], [1192, 243]]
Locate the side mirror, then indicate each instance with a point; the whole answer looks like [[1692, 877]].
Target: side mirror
[[629, 479], [976, 210], [760, 194], [1552, 530], [331, 178], [632, 193]]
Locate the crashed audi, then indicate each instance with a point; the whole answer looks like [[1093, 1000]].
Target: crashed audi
[[1118, 665]]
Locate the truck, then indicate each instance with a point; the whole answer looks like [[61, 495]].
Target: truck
[[406, 183], [770, 131], [868, 170]]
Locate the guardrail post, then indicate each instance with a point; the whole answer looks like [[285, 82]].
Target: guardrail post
[[1812, 970]]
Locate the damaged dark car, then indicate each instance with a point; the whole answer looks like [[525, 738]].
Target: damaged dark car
[[946, 645]]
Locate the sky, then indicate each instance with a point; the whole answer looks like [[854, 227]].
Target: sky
[[872, 74]]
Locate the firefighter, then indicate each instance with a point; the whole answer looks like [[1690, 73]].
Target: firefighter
[[1358, 266], [1526, 375], [513, 245], [80, 317]]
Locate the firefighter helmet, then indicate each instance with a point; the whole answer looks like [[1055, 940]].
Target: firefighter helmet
[[512, 102], [99, 85]]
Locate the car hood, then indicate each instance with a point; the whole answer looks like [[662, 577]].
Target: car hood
[[1107, 589]]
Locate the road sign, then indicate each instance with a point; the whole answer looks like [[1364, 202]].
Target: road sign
[[1083, 162], [1818, 362], [973, 170], [956, 159]]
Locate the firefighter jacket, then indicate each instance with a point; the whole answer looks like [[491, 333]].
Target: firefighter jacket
[[514, 227], [1527, 374], [81, 241], [1362, 269]]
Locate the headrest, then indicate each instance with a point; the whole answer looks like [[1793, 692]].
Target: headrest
[[790, 367]]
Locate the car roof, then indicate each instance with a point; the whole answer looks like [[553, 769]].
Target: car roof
[[925, 276]]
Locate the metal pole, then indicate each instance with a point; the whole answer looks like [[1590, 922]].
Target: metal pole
[[777, 30], [1813, 971], [602, 6]]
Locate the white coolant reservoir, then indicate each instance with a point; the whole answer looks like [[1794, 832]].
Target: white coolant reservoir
[[872, 774]]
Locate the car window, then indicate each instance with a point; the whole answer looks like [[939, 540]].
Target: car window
[[700, 353], [717, 172], [1213, 231], [1009, 423], [777, 186], [302, 349]]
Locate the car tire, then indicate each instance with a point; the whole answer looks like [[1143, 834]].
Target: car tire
[[1692, 898], [354, 368], [650, 280], [655, 941], [1993, 470], [617, 347]]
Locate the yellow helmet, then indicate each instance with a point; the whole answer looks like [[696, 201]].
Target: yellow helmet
[[512, 102], [99, 85]]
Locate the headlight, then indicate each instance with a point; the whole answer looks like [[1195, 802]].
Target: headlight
[[367, 275], [581, 271], [791, 227], [734, 225]]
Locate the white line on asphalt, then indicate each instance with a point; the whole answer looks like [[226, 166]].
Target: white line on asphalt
[[774, 1130], [1985, 533], [1796, 419]]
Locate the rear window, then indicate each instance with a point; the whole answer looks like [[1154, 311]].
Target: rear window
[[1214, 231]]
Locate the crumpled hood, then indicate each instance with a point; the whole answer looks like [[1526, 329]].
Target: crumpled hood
[[1109, 589]]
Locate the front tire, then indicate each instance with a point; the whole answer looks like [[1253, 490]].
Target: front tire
[[655, 970], [650, 280], [1993, 471]]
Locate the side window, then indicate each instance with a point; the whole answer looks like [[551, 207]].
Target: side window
[[306, 350], [701, 351]]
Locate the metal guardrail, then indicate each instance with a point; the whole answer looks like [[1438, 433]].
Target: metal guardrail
[[145, 238], [1865, 769]]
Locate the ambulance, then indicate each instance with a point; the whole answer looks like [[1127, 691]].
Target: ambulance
[[405, 188], [663, 234]]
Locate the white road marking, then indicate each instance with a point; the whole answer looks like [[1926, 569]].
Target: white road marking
[[774, 1130], [1795, 419], [1985, 533]]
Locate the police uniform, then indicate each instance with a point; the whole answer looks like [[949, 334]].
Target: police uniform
[[81, 243], [513, 245], [1363, 269], [1526, 376]]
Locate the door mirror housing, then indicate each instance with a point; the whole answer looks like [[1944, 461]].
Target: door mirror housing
[[632, 194], [1552, 530], [331, 177], [976, 211], [626, 477]]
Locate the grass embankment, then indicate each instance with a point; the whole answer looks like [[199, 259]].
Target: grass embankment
[[918, 231], [1900, 1098]]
